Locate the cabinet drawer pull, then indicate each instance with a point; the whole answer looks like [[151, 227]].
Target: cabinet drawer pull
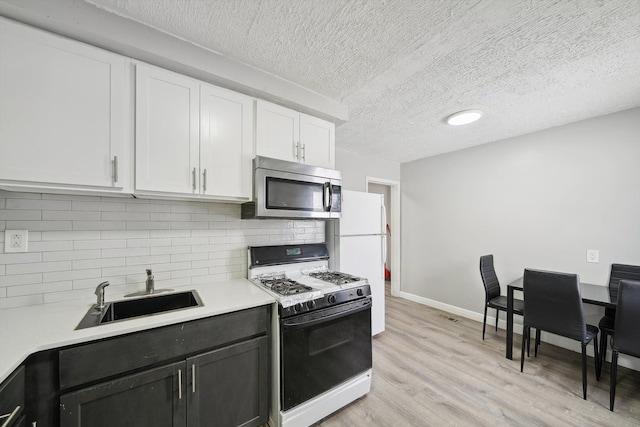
[[9, 417], [193, 378], [193, 176], [115, 169], [180, 384], [204, 181]]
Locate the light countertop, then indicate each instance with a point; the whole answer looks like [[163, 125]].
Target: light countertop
[[27, 330]]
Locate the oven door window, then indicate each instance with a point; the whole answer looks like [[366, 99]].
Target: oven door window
[[289, 194], [321, 354]]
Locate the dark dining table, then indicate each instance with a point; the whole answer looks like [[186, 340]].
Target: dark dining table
[[590, 293]]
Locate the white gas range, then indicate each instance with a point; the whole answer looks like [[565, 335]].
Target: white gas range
[[324, 331]]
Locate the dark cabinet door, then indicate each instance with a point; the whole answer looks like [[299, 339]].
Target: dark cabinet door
[[231, 386], [153, 398]]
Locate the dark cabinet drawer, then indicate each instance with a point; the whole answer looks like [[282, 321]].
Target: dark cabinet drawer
[[101, 359]]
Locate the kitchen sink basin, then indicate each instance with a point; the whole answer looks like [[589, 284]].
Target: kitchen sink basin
[[128, 309]]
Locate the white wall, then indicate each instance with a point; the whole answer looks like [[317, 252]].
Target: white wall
[[76, 242], [356, 167], [539, 201]]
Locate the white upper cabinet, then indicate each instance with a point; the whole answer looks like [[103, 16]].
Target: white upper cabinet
[[286, 134], [191, 138], [226, 142], [167, 140], [63, 113]]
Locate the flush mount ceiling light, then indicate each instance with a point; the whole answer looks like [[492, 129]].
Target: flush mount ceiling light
[[464, 117]]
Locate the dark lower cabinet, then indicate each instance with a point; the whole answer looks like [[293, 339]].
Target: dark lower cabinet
[[149, 398], [224, 387], [209, 372], [12, 399], [232, 377]]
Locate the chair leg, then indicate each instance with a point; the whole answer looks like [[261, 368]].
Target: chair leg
[[603, 349], [528, 344], [614, 373], [537, 342], [584, 371], [484, 322], [596, 359], [497, 316], [524, 338]]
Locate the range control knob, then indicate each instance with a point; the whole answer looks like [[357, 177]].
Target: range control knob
[[360, 292], [298, 307], [331, 299], [311, 304]]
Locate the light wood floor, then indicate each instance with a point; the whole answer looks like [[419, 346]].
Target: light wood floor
[[431, 368]]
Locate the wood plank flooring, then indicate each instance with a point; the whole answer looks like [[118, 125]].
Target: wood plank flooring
[[431, 368]]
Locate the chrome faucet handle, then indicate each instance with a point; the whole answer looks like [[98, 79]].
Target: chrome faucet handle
[[100, 293], [150, 284]]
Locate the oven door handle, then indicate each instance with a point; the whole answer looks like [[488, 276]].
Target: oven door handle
[[291, 323]]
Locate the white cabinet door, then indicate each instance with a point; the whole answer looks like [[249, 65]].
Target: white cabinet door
[[277, 131], [167, 126], [226, 143], [62, 111], [318, 141]]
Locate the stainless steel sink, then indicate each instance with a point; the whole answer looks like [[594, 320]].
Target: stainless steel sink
[[127, 309]]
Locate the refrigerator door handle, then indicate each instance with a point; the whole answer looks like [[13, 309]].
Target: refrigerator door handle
[[384, 233]]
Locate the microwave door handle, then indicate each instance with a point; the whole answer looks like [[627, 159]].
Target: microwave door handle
[[328, 195]]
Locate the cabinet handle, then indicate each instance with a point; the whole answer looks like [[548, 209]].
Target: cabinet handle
[[180, 384], [9, 417], [115, 169], [204, 181], [193, 176], [296, 151], [304, 152], [193, 378]]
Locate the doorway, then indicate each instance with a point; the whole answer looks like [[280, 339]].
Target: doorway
[[391, 192]]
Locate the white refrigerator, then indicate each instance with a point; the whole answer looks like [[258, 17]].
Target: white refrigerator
[[357, 245]]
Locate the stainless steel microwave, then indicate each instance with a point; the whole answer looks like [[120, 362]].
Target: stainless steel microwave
[[284, 189]]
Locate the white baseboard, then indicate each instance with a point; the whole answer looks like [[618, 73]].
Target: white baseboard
[[623, 360]]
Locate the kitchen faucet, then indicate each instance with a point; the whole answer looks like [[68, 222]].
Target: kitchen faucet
[[100, 293], [149, 287]]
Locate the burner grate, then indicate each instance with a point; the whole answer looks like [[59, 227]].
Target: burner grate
[[284, 285], [335, 277]]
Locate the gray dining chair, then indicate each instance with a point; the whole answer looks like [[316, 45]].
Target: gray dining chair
[[627, 334], [607, 322], [552, 303], [493, 299]]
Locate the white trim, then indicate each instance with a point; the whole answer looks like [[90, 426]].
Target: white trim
[[395, 228]]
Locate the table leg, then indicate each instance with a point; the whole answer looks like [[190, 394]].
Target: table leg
[[509, 322]]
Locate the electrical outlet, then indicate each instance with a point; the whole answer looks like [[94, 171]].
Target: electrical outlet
[[593, 255], [16, 240]]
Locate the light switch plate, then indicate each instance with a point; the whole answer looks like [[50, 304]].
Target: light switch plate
[[593, 255], [16, 241]]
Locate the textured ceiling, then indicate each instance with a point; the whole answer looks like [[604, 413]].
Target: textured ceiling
[[402, 66]]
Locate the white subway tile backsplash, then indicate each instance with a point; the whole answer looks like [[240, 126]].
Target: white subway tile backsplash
[[18, 258], [98, 206], [69, 235], [70, 255], [58, 245], [38, 267], [99, 244], [39, 225], [76, 242], [21, 214], [147, 260], [21, 279], [18, 291], [70, 215], [38, 204], [124, 252]]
